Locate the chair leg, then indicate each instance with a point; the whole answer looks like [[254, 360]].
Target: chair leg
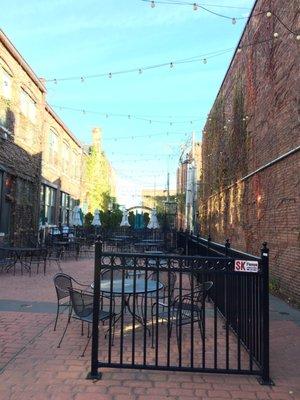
[[82, 355], [57, 313], [69, 318]]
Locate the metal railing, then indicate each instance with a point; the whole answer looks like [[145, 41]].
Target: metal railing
[[187, 313]]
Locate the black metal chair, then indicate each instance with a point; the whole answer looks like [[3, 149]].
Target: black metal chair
[[55, 253], [82, 310], [185, 309], [168, 279], [62, 283]]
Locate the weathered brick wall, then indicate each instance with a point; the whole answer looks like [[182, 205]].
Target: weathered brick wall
[[255, 120], [20, 152]]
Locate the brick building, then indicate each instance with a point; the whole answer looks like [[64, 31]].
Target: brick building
[[22, 103], [62, 156], [251, 143], [42, 164]]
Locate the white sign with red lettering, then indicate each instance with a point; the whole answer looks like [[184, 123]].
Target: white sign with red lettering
[[245, 266]]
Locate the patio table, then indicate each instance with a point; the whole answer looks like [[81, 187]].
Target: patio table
[[20, 254], [127, 288], [150, 246]]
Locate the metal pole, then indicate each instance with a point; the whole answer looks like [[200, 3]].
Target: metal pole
[[94, 373], [265, 370]]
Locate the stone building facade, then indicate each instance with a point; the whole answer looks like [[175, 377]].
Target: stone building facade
[[22, 104], [43, 166], [251, 143]]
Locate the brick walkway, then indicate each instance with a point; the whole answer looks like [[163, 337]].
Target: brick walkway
[[32, 367]]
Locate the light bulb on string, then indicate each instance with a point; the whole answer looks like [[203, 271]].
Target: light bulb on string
[[233, 21], [82, 79], [171, 65], [83, 112], [129, 116], [204, 61], [195, 7], [269, 14], [152, 4], [110, 75], [140, 70], [298, 37], [239, 50], [275, 35], [55, 81]]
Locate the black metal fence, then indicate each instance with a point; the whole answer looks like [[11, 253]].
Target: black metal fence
[[187, 313]]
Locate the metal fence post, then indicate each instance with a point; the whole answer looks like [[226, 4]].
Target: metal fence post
[[265, 370], [94, 373], [208, 245], [227, 247], [186, 242]]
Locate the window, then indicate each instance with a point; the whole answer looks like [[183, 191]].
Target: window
[[48, 202], [65, 157], [28, 106], [53, 146], [6, 84], [64, 208]]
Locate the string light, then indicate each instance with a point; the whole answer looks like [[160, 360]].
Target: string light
[[204, 61], [146, 118], [82, 79], [193, 59], [195, 7], [269, 14], [298, 37], [275, 35], [233, 21], [140, 70], [152, 4]]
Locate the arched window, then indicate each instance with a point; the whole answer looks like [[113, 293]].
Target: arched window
[[53, 146], [27, 106]]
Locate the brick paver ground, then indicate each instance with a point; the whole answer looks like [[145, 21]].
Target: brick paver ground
[[32, 367]]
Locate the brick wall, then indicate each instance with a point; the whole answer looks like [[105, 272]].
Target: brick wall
[[21, 133], [255, 120]]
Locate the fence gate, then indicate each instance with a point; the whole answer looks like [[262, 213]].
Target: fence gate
[[181, 313]]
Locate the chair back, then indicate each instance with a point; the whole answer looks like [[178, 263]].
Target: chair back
[[168, 279], [62, 283], [82, 303], [200, 292]]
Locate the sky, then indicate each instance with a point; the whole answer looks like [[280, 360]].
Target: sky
[[78, 38]]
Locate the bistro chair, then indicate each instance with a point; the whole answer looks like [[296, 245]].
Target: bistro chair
[[55, 254], [168, 279], [62, 283], [183, 310], [82, 310]]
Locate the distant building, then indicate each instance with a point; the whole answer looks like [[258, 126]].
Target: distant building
[[189, 174]]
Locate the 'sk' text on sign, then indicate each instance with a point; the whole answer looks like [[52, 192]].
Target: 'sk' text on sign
[[245, 266]]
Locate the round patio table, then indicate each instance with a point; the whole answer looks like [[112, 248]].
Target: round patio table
[[127, 288]]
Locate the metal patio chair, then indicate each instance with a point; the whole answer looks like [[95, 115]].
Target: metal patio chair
[[183, 310], [62, 283], [82, 310]]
